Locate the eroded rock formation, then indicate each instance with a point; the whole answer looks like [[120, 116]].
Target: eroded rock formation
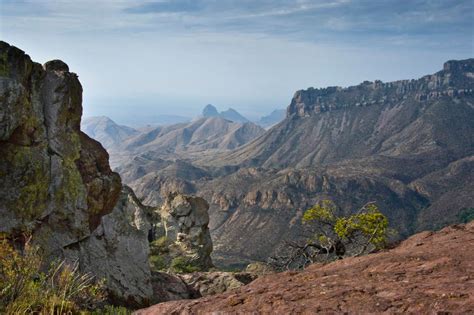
[[184, 220]]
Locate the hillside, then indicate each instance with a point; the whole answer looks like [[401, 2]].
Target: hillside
[[272, 119], [386, 142], [169, 141], [106, 131], [428, 273]]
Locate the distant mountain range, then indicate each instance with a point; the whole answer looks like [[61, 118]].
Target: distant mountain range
[[406, 145], [229, 114], [200, 134], [170, 141], [214, 130]]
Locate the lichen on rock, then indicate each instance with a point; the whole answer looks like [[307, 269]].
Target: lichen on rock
[[56, 183]]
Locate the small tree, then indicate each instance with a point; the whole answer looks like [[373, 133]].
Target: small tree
[[335, 237]]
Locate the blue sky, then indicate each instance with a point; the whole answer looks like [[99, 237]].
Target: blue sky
[[137, 59]]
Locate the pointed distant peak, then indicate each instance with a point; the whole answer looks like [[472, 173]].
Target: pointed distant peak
[[97, 119], [104, 118], [210, 111]]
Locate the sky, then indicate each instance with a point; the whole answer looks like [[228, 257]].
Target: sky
[[138, 60]]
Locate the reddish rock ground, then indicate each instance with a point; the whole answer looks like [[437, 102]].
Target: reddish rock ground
[[430, 273]]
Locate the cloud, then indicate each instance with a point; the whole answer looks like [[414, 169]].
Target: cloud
[[248, 54], [430, 22], [166, 6]]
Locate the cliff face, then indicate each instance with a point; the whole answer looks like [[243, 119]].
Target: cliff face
[[56, 183], [454, 80]]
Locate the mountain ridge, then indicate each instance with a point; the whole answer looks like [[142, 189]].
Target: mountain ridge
[[106, 131]]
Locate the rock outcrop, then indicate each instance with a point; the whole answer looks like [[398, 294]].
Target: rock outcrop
[[428, 273], [56, 183], [216, 282], [118, 250], [184, 220]]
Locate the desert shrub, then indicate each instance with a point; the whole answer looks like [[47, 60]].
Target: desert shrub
[[159, 250], [182, 265], [160, 245], [111, 310], [466, 215], [157, 263], [334, 237], [27, 287]]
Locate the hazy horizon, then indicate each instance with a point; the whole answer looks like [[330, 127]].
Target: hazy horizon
[[139, 59]]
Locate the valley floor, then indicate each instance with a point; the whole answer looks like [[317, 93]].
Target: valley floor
[[428, 273]]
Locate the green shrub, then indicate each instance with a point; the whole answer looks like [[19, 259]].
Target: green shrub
[[157, 263], [333, 236], [160, 245], [182, 265], [25, 288], [111, 310], [466, 215]]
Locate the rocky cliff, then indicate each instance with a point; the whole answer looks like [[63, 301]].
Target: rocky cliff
[[57, 187]]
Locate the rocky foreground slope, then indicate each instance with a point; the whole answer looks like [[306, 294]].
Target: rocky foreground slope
[[428, 273]]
